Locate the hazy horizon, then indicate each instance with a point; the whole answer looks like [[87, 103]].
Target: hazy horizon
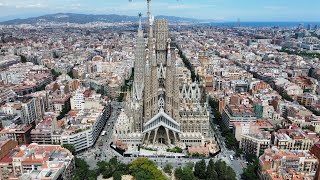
[[218, 10]]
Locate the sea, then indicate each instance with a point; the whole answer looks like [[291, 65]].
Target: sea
[[265, 24]]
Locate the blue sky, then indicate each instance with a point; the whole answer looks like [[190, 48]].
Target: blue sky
[[220, 10]]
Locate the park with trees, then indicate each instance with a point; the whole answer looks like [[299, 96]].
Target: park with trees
[[213, 171], [146, 169]]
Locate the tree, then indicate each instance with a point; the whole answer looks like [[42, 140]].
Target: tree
[[287, 97], [70, 147], [70, 73], [82, 171], [250, 171], [175, 150], [99, 91], [117, 175], [55, 73], [185, 173], [23, 59], [114, 161], [62, 113], [238, 152], [102, 166], [124, 168], [251, 158], [187, 64], [211, 173], [189, 165], [108, 171], [144, 169], [200, 169], [41, 88], [112, 168], [168, 168], [224, 172], [178, 173]]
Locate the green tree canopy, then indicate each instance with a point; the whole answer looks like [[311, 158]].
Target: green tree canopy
[[168, 168], [211, 173], [249, 173], [70, 147], [23, 59], [185, 173], [82, 171], [117, 175], [145, 169], [200, 169], [224, 172], [108, 169], [189, 165]]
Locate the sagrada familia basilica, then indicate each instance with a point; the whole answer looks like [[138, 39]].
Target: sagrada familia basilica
[[160, 110]]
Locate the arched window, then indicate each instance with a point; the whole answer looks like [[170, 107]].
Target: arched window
[[161, 103]]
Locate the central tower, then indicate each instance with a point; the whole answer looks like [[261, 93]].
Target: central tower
[[161, 92], [161, 85]]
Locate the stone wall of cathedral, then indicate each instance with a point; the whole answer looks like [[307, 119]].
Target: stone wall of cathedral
[[194, 123]]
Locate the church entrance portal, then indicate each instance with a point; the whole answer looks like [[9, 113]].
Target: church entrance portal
[[161, 141], [162, 138]]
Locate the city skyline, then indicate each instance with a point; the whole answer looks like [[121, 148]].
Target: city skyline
[[217, 10]]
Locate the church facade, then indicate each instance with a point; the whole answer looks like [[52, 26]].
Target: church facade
[[159, 109]]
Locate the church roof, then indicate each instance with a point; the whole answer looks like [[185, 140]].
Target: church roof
[[162, 123]]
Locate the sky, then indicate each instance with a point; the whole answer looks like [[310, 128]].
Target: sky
[[218, 10]]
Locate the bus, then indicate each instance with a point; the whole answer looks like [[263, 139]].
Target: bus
[[103, 133]]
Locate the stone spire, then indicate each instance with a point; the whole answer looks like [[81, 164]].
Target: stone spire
[[140, 31], [139, 64]]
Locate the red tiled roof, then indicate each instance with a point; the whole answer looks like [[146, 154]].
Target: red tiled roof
[[6, 159]]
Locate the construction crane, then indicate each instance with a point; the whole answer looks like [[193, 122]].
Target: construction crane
[[148, 9], [148, 13]]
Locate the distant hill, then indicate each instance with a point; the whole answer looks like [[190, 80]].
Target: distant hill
[[87, 18]]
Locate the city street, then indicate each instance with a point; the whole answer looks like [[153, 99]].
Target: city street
[[107, 153], [237, 164]]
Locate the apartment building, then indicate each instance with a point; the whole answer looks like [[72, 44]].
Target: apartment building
[[316, 151], [23, 106], [86, 126], [294, 139], [249, 128], [237, 113], [286, 164], [255, 143], [36, 161], [19, 133]]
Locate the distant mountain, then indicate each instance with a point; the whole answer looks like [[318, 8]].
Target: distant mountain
[[87, 18]]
